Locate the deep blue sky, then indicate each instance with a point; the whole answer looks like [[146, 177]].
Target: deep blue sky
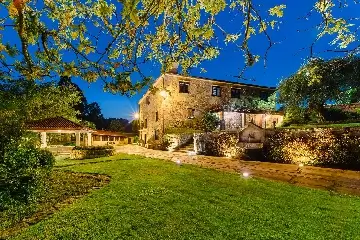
[[290, 52], [283, 59]]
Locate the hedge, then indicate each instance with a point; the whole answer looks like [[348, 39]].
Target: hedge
[[325, 148], [82, 152], [24, 171]]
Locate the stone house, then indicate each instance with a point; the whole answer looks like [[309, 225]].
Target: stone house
[[174, 100]]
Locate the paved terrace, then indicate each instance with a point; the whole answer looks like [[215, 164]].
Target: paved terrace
[[342, 181]]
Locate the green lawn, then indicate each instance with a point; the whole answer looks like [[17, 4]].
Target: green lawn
[[155, 199]]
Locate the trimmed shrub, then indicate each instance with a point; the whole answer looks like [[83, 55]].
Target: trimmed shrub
[[218, 144], [326, 148], [82, 152]]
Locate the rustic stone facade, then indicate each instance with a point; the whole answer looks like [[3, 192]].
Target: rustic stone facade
[[168, 104]]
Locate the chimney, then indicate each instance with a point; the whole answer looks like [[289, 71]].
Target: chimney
[[174, 68]]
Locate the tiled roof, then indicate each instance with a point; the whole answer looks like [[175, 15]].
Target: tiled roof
[[56, 123], [110, 133], [225, 81]]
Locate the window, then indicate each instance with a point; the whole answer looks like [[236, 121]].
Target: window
[[97, 138], [216, 91], [145, 124], [264, 96], [156, 116], [122, 139], [148, 100], [235, 93], [184, 87], [117, 139], [156, 135], [111, 138], [191, 113]]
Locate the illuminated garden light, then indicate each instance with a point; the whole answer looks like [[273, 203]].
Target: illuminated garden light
[[246, 174], [178, 162]]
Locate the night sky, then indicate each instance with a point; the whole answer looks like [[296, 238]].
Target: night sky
[[291, 50]]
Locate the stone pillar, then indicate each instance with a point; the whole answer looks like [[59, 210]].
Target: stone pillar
[[43, 140], [89, 139], [77, 136], [195, 143], [242, 120]]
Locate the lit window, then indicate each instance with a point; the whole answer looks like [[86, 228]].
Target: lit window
[[184, 87], [191, 113], [235, 93], [216, 91]]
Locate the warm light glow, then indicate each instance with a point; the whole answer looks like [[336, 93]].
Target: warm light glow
[[191, 153], [136, 115], [164, 93], [301, 164], [246, 174], [59, 131], [178, 162]]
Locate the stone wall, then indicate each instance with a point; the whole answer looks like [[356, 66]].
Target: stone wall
[[326, 147], [178, 140], [174, 108]]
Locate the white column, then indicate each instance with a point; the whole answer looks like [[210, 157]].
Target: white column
[[43, 140], [89, 139], [242, 120], [77, 136]]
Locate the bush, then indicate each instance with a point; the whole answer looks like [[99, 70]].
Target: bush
[[326, 148], [88, 152], [219, 144]]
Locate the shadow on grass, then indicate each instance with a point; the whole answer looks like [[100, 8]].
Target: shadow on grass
[[64, 188]]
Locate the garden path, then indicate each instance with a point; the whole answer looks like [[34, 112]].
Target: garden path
[[334, 180]]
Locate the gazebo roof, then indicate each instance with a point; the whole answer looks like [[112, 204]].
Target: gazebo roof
[[56, 123]]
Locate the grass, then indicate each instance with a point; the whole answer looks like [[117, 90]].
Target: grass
[[155, 199], [64, 187], [337, 125]]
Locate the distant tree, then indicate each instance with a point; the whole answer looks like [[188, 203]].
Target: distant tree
[[66, 82], [118, 124], [135, 126], [93, 114], [320, 82], [32, 101]]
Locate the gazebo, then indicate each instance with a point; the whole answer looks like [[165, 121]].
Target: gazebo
[[59, 125]]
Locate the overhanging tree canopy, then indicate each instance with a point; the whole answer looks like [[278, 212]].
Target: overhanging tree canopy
[[111, 39], [320, 82]]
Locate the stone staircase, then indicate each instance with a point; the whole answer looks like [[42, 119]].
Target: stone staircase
[[188, 147]]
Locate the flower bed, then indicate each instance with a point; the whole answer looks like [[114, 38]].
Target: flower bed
[[91, 152]]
